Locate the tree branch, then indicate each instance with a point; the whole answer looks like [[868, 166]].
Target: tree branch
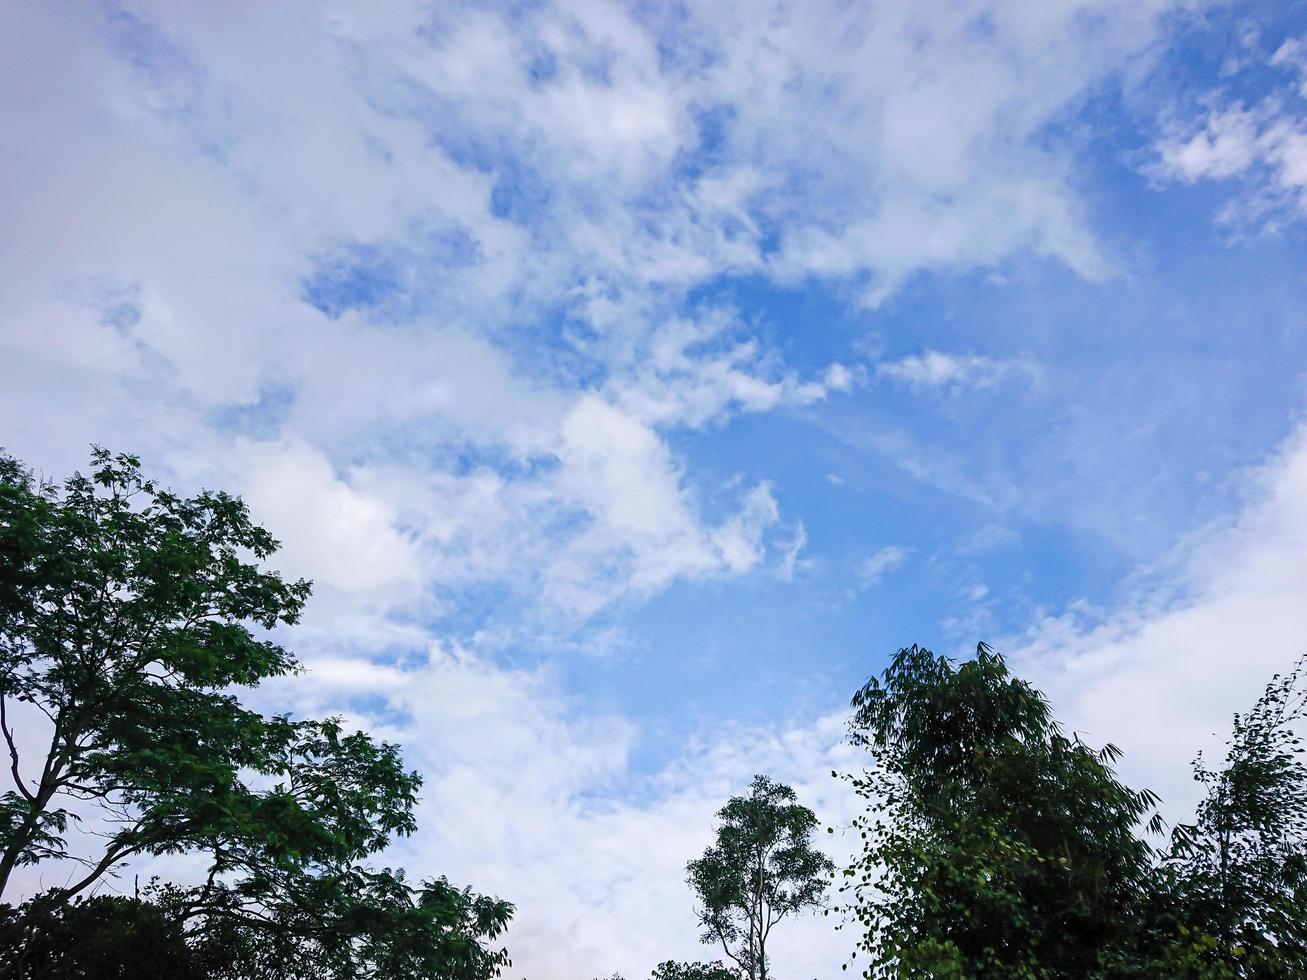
[[725, 948], [103, 865], [13, 755]]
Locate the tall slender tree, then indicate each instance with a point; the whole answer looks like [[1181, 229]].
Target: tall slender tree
[[761, 868]]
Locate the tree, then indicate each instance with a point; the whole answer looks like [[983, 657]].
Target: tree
[[1235, 880], [672, 970], [127, 618], [761, 869], [361, 924], [995, 846], [104, 937]]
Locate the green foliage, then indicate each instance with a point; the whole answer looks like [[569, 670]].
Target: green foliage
[[761, 869], [672, 970], [1237, 876], [355, 923], [99, 938], [127, 616], [995, 846]]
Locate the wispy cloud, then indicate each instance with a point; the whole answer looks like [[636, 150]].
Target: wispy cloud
[[1263, 143], [444, 186], [874, 568], [436, 287], [936, 369], [1162, 673], [592, 853], [790, 561]]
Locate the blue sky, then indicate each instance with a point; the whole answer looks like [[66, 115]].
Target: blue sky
[[633, 379]]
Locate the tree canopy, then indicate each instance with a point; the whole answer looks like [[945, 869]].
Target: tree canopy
[[673, 970], [103, 937], [996, 846], [761, 868], [1232, 890], [129, 618], [133, 622]]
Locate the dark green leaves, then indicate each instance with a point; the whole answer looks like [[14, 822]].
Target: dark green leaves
[[672, 970], [1235, 881], [128, 616], [995, 845], [100, 938]]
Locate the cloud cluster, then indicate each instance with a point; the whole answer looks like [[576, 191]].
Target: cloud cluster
[[433, 286], [449, 249], [1262, 143], [594, 847], [276, 278], [886, 559], [1193, 642], [934, 369], [592, 851]]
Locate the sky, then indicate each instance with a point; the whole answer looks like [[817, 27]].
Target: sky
[[633, 379]]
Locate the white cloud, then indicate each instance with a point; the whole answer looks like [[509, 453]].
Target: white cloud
[[534, 796], [936, 369], [1161, 674], [873, 569], [740, 539], [1292, 55], [695, 371], [1226, 145], [336, 535], [790, 562], [185, 180], [640, 529], [489, 402], [906, 133], [1263, 143], [986, 539], [222, 180]]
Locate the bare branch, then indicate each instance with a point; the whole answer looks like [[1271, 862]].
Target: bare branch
[[13, 755]]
